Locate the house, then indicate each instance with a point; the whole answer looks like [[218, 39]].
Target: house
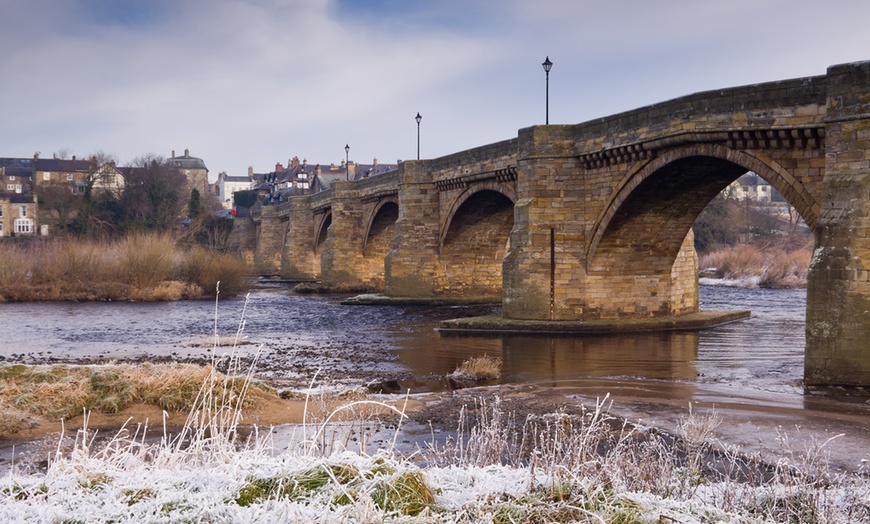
[[75, 173], [229, 184], [194, 169], [750, 187], [16, 176], [18, 215]]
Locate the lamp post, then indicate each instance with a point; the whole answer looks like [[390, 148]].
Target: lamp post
[[346, 161], [547, 66], [418, 118]]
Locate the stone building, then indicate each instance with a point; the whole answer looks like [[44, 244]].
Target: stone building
[[229, 184], [18, 215], [194, 169]]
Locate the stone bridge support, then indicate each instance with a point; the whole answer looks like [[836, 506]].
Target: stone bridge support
[[411, 266], [549, 273], [342, 258], [270, 240], [298, 261], [838, 287]]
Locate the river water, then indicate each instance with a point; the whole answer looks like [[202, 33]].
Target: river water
[[749, 371]]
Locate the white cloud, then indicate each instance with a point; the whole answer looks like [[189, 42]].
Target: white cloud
[[254, 82]]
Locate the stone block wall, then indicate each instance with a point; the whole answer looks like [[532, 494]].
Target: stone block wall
[[297, 254], [270, 240], [838, 287]]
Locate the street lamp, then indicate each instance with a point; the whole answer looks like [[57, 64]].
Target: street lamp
[[418, 118], [547, 66], [346, 165]]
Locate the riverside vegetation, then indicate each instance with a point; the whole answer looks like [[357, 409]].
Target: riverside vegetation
[[138, 267], [555, 467]]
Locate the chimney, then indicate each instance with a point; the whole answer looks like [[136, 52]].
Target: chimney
[[278, 167], [251, 172], [36, 155], [186, 153], [294, 162], [173, 154], [304, 162], [74, 158]]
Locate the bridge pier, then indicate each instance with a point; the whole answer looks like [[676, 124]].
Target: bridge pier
[[411, 266], [838, 287], [270, 240], [298, 261], [342, 262], [549, 272]]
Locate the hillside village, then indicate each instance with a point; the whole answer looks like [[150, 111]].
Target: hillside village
[[27, 183]]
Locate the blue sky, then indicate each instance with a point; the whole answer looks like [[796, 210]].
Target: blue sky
[[255, 82]]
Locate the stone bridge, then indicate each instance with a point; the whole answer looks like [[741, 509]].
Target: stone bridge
[[593, 221]]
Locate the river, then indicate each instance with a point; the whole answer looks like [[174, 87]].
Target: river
[[749, 371]]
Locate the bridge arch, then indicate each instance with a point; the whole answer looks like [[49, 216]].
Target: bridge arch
[[474, 241], [491, 186], [322, 220], [380, 228], [661, 199], [381, 218]]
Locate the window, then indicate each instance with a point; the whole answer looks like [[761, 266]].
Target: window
[[18, 188], [23, 225], [10, 187], [11, 177], [23, 212], [46, 176], [69, 177], [1, 229]]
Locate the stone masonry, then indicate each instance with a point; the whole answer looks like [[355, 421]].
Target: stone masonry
[[594, 220]]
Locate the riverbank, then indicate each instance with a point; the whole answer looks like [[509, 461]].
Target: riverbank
[[142, 268], [510, 456], [749, 265]]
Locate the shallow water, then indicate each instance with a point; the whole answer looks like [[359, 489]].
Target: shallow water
[[750, 371]]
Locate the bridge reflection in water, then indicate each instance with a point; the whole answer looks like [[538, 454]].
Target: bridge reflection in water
[[759, 356]]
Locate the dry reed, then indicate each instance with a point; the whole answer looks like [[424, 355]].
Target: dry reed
[[63, 391], [140, 267], [767, 267], [477, 369]]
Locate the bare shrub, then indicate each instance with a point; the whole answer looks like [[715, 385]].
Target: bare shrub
[[145, 260], [478, 369], [15, 267], [205, 268], [142, 267], [767, 267]]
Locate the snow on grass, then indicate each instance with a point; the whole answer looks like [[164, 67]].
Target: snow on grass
[[550, 468], [216, 476]]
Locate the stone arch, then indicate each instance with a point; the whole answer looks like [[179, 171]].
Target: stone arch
[[726, 165], [490, 185], [475, 242], [385, 205], [322, 220]]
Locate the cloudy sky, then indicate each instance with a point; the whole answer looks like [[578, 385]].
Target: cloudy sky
[[254, 82]]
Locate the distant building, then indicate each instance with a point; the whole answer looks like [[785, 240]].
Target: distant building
[[229, 184], [15, 177], [74, 172], [750, 187], [194, 169], [18, 215]]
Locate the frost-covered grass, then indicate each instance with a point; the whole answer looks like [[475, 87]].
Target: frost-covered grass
[[552, 468]]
